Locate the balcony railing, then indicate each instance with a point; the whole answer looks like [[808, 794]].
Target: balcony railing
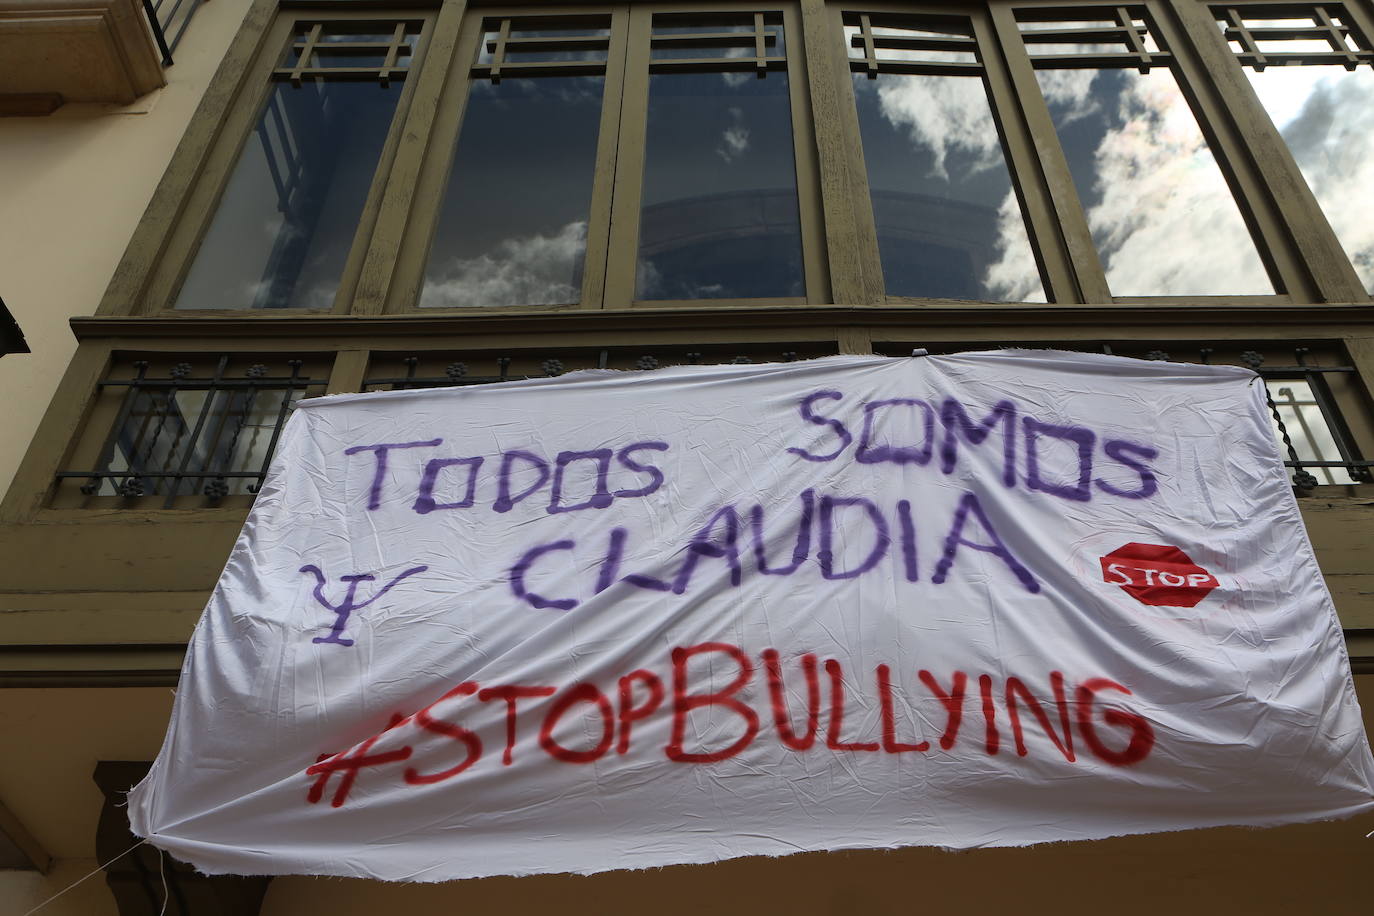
[[187, 437], [168, 20], [168, 431]]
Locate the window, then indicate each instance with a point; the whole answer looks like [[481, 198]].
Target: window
[[619, 156], [1313, 69], [948, 221], [601, 157], [512, 223], [286, 221], [496, 176], [636, 155], [718, 216], [1160, 212]]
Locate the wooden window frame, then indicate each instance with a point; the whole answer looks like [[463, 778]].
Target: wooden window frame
[[1053, 260], [410, 255], [1315, 245], [1298, 249], [172, 232], [624, 247], [840, 255], [1300, 253], [613, 218]]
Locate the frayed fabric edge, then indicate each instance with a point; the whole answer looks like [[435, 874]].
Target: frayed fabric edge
[[423, 876]]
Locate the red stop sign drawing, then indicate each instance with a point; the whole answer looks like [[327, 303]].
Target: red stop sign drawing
[[1158, 575]]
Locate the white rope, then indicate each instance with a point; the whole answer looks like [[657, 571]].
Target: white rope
[[162, 870], [98, 869]]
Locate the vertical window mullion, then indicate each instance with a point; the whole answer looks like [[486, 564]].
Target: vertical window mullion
[[1047, 241], [1361, 15], [398, 205], [814, 262], [855, 272], [1089, 279], [599, 220], [447, 67], [623, 239]]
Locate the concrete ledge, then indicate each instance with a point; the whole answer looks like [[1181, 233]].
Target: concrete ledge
[[80, 50]]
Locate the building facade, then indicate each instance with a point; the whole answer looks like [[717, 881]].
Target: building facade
[[351, 196]]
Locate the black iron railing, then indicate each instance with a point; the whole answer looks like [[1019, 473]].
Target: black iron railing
[[168, 20], [184, 433], [176, 434], [1307, 419]]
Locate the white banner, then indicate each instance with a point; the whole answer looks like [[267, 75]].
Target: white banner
[[622, 620]]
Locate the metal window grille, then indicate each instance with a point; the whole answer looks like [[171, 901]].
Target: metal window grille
[[186, 434], [543, 46], [1307, 419], [1090, 38], [1269, 35], [717, 41], [1306, 414], [350, 50], [896, 43]]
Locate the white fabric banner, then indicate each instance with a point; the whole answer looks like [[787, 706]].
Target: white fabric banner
[[621, 620]]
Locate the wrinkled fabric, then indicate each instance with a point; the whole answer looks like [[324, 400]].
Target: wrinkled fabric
[[631, 619]]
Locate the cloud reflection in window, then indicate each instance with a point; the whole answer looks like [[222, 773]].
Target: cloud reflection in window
[[531, 270], [1160, 213], [1326, 115]]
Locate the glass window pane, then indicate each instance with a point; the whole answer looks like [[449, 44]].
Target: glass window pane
[[157, 438], [1056, 24], [289, 212], [1326, 115], [1082, 47], [513, 222], [719, 216], [949, 225], [1160, 212]]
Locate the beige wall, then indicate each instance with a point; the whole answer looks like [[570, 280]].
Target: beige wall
[[52, 741], [21, 891], [72, 187]]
